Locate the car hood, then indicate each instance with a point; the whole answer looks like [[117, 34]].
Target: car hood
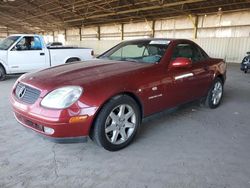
[[80, 73]]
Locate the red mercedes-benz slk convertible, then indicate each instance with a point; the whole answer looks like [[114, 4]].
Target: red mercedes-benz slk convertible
[[107, 98]]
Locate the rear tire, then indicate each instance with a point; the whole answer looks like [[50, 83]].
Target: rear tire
[[2, 73], [117, 123], [215, 94]]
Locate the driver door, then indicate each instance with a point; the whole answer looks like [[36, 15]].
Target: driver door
[[27, 55], [189, 83]]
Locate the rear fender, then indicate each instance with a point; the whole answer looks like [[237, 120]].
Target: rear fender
[[69, 57]]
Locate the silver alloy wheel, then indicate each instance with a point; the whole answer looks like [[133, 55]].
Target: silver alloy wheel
[[120, 124], [217, 93]]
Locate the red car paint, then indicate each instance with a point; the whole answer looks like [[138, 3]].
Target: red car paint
[[155, 86]]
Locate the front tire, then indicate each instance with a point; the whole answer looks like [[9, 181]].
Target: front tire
[[215, 94], [117, 123], [2, 73]]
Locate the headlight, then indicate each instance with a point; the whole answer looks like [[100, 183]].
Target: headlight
[[62, 97]]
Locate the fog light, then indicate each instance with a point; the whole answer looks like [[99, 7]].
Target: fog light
[[48, 130], [78, 119]]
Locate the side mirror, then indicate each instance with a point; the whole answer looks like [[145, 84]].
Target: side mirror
[[248, 53], [181, 62]]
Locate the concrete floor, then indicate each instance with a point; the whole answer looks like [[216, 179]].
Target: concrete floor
[[191, 147]]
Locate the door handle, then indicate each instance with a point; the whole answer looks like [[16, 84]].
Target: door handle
[[42, 54]]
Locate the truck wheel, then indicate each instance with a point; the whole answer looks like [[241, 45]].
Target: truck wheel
[[117, 123], [2, 73], [70, 60], [215, 94]]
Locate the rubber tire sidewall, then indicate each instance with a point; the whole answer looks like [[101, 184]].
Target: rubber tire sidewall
[[209, 102], [99, 126], [2, 74]]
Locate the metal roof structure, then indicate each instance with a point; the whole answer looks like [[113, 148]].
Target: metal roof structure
[[48, 15]]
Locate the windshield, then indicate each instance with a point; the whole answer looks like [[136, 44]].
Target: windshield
[[143, 51], [6, 43]]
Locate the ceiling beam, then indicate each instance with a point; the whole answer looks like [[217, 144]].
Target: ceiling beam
[[136, 10]]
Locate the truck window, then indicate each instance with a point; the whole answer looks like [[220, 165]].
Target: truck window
[[29, 43], [36, 45]]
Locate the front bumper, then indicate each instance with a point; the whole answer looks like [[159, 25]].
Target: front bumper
[[39, 120]]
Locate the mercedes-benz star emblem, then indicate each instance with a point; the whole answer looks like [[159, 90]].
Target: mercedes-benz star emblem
[[21, 92]]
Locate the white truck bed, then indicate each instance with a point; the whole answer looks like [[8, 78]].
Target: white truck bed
[[57, 58]]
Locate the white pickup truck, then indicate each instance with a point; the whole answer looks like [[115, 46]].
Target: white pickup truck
[[26, 53]]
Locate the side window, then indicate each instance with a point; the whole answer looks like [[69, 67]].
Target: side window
[[20, 45], [183, 50], [24, 44], [203, 54], [197, 57], [188, 51], [29, 43], [36, 44]]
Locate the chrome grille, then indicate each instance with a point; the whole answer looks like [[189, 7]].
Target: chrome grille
[[26, 94]]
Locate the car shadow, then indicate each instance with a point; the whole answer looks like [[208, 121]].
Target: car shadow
[[12, 77], [169, 115], [231, 93]]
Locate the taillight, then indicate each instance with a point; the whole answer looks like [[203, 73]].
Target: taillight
[[92, 52]]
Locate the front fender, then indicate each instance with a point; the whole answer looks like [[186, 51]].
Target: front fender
[[3, 60], [2, 63]]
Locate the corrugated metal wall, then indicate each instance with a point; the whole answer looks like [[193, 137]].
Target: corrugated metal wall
[[224, 35], [98, 46], [231, 49]]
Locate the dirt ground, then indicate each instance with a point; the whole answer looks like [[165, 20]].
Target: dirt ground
[[191, 147]]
